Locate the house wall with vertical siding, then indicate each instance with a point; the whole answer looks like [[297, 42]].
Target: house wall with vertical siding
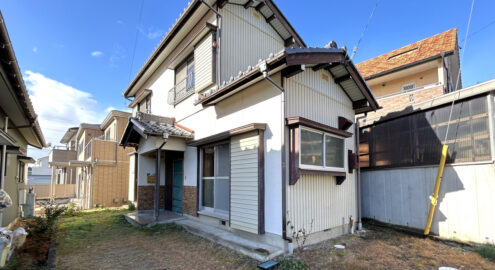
[[246, 38], [316, 203], [244, 182]]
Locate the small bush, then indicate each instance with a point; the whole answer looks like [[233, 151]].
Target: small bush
[[132, 207], [293, 264], [44, 224], [71, 210], [487, 251]]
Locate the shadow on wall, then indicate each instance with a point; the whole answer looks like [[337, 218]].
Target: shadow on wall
[[403, 159]]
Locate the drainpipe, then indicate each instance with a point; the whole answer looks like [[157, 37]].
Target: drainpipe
[[157, 177], [218, 39], [4, 163], [358, 175]]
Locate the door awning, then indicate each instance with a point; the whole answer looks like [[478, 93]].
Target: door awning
[[145, 125]]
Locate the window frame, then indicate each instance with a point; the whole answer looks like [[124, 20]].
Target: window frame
[[220, 213], [323, 167]]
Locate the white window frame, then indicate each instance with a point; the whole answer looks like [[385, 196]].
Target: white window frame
[[205, 209], [323, 167]]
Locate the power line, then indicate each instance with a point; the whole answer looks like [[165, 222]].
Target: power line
[[364, 31], [459, 73], [136, 39], [480, 30]]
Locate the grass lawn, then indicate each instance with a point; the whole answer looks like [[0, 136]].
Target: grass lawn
[[102, 239]]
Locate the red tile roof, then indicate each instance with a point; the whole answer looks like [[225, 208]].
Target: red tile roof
[[423, 49]]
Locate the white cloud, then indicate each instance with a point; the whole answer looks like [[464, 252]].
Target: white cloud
[[151, 32], [59, 106], [35, 49], [96, 53]]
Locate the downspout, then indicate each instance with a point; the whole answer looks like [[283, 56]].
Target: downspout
[[358, 175], [218, 39], [157, 177], [4, 163]]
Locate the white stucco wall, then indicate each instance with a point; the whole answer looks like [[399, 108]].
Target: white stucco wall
[[260, 103]]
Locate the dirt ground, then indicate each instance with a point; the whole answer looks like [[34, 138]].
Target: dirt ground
[[103, 240]]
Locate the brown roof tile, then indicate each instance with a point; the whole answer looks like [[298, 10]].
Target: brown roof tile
[[423, 49]]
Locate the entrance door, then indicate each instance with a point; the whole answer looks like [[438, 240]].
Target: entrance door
[[177, 186]]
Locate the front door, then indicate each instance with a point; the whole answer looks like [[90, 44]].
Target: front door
[[178, 176]]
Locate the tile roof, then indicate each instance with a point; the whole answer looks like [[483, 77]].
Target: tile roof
[[156, 125], [420, 50]]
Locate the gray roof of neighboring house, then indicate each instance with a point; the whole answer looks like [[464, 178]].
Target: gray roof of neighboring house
[[69, 134], [112, 114]]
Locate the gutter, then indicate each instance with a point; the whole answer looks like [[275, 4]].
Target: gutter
[[21, 93]]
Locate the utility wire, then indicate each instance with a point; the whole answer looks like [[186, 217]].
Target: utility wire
[[480, 30], [364, 31], [459, 73], [136, 39]]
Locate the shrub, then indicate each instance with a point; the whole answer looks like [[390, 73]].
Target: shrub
[[43, 224], [486, 250], [71, 210], [293, 264], [132, 207]]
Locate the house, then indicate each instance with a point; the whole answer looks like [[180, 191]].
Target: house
[[249, 130], [94, 162], [400, 154], [39, 172], [19, 128], [414, 73]]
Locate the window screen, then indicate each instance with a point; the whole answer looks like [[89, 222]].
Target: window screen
[[416, 139]]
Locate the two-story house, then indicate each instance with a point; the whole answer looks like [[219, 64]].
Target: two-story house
[[19, 128], [414, 73], [94, 162], [237, 123]]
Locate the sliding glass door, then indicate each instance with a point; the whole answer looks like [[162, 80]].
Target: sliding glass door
[[215, 180]]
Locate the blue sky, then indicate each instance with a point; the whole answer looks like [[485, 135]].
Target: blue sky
[[78, 53]]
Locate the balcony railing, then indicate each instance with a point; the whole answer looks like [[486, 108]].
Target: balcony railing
[[181, 90]]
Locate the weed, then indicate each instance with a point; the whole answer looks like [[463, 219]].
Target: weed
[[486, 251], [229, 260], [71, 210], [131, 206], [293, 264]]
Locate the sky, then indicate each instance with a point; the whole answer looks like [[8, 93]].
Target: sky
[[78, 56]]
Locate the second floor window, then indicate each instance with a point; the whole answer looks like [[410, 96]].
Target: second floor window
[[184, 81]]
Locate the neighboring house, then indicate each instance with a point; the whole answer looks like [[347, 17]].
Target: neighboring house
[[249, 130], [19, 128], [400, 154], [39, 173], [414, 73], [95, 163]]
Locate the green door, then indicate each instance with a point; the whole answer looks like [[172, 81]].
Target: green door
[[177, 186]]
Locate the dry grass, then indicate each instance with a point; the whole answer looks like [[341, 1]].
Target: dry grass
[[382, 248], [102, 239]]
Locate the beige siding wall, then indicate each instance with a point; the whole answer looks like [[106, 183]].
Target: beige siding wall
[[244, 182], [203, 63], [395, 86], [245, 39], [317, 203]]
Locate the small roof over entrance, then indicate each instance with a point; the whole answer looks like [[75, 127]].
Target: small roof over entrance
[[145, 125]]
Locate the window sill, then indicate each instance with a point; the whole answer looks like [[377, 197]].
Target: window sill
[[321, 172]]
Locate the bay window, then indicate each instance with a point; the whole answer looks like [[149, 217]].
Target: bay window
[[215, 179], [321, 150]]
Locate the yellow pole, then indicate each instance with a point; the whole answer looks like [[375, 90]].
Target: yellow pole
[[434, 196]]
